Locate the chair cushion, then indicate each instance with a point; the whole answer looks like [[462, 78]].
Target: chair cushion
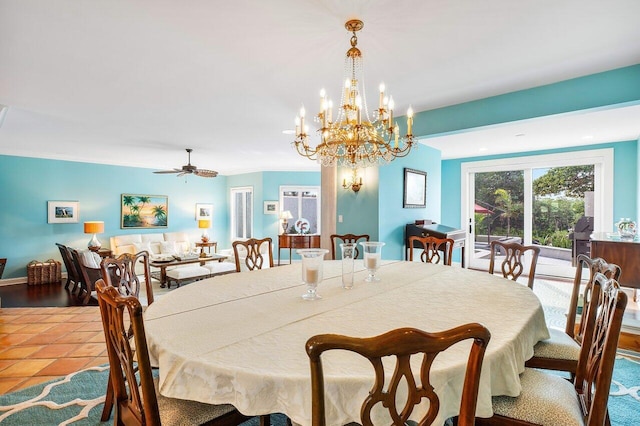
[[183, 412], [186, 272], [546, 399], [220, 267], [559, 346]]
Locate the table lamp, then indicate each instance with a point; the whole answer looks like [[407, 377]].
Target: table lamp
[[285, 216], [94, 227], [204, 224]]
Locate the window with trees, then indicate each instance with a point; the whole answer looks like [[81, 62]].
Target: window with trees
[[241, 213]]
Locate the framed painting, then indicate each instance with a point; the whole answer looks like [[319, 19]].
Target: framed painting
[[144, 211], [271, 207], [415, 189], [204, 211], [63, 211]]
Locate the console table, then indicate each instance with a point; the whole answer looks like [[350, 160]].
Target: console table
[[297, 241], [624, 253], [435, 230]]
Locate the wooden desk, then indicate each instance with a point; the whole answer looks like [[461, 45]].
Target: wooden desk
[[297, 241], [624, 253]]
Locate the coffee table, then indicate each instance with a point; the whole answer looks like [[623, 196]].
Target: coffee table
[[163, 264]]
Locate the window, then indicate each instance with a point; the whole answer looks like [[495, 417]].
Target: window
[[304, 203], [241, 213]]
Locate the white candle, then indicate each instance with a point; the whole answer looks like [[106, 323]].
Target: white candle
[[302, 114], [311, 275], [371, 261], [409, 120], [381, 96]]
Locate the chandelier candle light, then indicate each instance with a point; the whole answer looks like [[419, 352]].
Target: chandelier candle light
[[353, 139]]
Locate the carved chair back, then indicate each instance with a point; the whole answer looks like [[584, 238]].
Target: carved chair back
[[401, 344], [434, 250], [593, 266], [122, 322], [513, 264], [121, 273], [252, 254], [337, 239], [598, 353]]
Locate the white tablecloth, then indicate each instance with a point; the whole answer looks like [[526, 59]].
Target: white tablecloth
[[240, 338]]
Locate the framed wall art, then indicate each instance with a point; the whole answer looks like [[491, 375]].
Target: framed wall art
[[63, 211], [415, 189], [204, 211], [144, 211], [271, 207]]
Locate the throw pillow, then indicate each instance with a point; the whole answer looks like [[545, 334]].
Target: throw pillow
[[143, 247], [168, 247], [90, 259]]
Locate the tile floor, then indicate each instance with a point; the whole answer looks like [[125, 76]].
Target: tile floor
[[40, 344]]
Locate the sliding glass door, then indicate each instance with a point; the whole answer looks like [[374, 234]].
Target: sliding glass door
[[552, 201]]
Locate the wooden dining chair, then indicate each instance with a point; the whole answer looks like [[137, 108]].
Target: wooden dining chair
[[513, 265], [141, 404], [250, 254], [434, 250], [402, 344], [562, 350], [548, 399], [121, 273], [337, 239]]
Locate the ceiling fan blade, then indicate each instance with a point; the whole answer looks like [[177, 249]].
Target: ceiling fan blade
[[205, 173], [168, 171]]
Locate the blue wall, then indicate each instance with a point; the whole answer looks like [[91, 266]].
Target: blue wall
[[28, 183]]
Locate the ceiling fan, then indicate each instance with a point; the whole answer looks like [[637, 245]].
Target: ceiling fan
[[189, 169]]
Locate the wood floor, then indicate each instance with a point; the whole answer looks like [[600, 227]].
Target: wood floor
[[45, 333]]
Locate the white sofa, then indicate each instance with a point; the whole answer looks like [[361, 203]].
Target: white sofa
[[168, 244]]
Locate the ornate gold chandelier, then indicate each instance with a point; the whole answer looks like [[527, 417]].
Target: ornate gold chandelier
[[353, 140]]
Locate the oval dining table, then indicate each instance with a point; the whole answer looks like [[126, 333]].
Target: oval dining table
[[240, 338]]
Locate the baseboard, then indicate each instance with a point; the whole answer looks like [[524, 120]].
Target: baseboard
[[23, 280]]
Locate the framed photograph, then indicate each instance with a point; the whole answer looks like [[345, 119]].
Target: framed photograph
[[144, 211], [271, 207], [415, 189], [63, 211], [204, 211]]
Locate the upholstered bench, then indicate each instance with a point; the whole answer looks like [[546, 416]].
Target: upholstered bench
[[220, 268], [186, 273]]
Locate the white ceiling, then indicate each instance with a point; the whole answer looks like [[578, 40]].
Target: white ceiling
[[135, 82]]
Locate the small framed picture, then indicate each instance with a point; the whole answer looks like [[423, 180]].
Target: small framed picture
[[204, 211], [415, 189], [63, 211], [271, 207]]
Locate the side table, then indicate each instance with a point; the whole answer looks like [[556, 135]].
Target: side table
[[208, 245]]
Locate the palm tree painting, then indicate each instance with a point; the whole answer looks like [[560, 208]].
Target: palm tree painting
[[144, 211]]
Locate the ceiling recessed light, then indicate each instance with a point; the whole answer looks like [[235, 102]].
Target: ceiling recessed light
[[587, 137], [519, 135], [289, 132], [483, 148]]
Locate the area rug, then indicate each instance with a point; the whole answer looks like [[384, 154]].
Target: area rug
[[78, 398]]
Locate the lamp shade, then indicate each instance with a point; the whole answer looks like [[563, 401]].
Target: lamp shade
[[204, 223], [94, 227], [286, 215]]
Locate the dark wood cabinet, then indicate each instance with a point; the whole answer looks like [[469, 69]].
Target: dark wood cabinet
[[297, 241], [625, 254]]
